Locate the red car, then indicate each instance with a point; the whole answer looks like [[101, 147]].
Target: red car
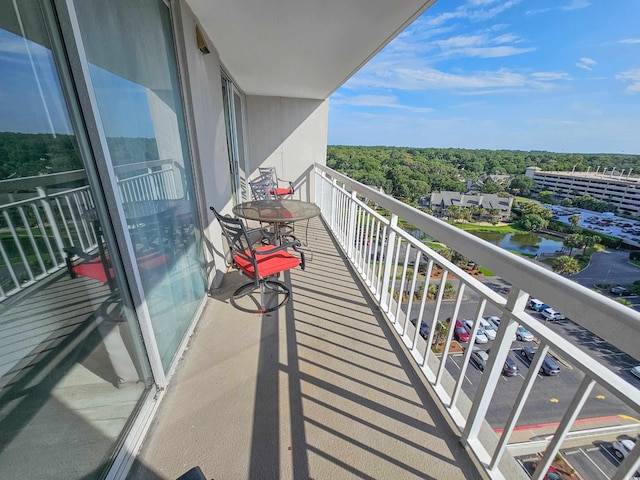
[[459, 332]]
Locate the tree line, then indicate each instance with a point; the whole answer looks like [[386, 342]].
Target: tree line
[[411, 173]]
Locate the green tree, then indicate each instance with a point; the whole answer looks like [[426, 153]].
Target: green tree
[[589, 241], [533, 221], [491, 187], [545, 197], [522, 185], [453, 213], [574, 220], [565, 265], [575, 240]]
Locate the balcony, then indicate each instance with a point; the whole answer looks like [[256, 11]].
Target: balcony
[[339, 383]]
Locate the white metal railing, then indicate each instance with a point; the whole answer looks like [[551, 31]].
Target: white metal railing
[[388, 261], [35, 229]]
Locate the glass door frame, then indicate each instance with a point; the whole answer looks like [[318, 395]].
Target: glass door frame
[[236, 147]]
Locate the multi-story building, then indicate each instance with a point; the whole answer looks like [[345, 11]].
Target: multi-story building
[[118, 345], [622, 191], [439, 202]]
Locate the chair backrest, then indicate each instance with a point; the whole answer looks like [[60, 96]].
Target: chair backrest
[[262, 188], [236, 235], [268, 173]]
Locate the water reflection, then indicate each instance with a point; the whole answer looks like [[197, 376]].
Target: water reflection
[[527, 242], [523, 242]]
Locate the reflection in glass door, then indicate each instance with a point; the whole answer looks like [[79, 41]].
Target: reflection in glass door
[[72, 371], [131, 61]]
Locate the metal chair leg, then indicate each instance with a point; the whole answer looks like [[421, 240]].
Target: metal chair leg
[[246, 291]]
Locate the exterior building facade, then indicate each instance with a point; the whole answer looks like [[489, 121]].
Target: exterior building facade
[[621, 191], [439, 202]]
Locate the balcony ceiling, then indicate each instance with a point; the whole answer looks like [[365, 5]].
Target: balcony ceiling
[[300, 48]]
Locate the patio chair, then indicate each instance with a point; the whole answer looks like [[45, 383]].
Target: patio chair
[[96, 266], [276, 191], [262, 264], [263, 189]]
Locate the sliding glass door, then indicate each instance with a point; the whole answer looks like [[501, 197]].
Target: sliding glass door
[[133, 74], [72, 366], [234, 121]]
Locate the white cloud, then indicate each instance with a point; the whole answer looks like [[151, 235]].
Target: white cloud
[[551, 76], [630, 40], [474, 10], [384, 101], [576, 5], [632, 76], [586, 63]]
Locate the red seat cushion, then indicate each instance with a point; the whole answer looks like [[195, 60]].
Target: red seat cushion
[[281, 191], [267, 264], [93, 269], [152, 260]]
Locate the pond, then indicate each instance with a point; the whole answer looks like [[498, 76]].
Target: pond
[[525, 242], [530, 243]]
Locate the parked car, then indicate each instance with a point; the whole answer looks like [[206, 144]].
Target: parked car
[[459, 332], [479, 357], [622, 448], [495, 321], [636, 371], [424, 328], [537, 305], [489, 331], [551, 314], [549, 365], [480, 335], [619, 290], [523, 334], [510, 368]]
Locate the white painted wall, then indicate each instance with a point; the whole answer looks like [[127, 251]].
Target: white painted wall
[[208, 140], [290, 134]]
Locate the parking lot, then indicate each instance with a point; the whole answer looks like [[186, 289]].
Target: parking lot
[[551, 395]]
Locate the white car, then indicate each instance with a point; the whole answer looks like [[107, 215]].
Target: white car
[[489, 331], [551, 314], [480, 357], [481, 337], [523, 334], [495, 321], [636, 371], [622, 448]]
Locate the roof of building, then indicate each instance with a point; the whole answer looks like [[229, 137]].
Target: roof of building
[[487, 201]]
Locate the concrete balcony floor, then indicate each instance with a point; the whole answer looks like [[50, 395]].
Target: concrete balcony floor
[[318, 389]]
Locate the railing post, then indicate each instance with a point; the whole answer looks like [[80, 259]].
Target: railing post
[[515, 303], [48, 211], [334, 200], [388, 258], [352, 224]]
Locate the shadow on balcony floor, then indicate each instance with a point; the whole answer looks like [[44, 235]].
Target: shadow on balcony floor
[[318, 389]]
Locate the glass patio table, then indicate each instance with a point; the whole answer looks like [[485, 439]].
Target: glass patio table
[[277, 212]]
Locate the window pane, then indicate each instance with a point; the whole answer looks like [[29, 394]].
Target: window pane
[[71, 367], [132, 65]]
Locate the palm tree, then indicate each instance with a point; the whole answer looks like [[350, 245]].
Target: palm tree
[[575, 240], [453, 213], [574, 220], [590, 241]]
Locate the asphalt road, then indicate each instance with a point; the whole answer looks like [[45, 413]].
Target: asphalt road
[[608, 267]]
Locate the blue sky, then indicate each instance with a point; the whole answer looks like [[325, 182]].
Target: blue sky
[[555, 75]]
